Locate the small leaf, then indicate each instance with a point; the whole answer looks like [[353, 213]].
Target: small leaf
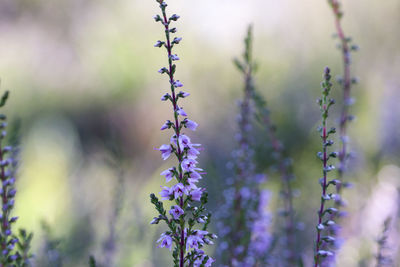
[[239, 65], [4, 98], [92, 262]]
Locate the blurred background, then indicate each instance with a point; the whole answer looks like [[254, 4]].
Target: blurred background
[[86, 92]]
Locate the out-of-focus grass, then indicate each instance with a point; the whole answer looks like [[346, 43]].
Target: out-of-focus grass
[[78, 70]]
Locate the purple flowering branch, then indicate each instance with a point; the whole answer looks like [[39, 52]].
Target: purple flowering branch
[[244, 221], [187, 212], [240, 235], [322, 249], [346, 81], [8, 167]]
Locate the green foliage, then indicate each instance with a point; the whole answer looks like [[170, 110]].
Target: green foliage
[[92, 261], [4, 99], [24, 248]]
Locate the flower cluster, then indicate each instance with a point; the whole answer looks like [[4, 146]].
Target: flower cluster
[[188, 212], [324, 241], [8, 166], [243, 219]]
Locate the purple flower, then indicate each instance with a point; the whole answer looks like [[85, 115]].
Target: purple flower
[[177, 83], [166, 125], [245, 192], [157, 18], [155, 220], [174, 17], [163, 70], [184, 141], [188, 165], [165, 97], [199, 261], [179, 190], [192, 125], [176, 212], [192, 152], [195, 175], [159, 44], [166, 151], [181, 112], [13, 257], [193, 241], [196, 194], [209, 262], [183, 94], [166, 193], [193, 178], [174, 57], [177, 40], [165, 241], [169, 174], [201, 233]]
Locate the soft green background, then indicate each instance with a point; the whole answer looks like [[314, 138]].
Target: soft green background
[[83, 81]]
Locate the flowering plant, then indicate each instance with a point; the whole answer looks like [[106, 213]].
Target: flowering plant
[[325, 214], [244, 221], [187, 220], [7, 175], [346, 81]]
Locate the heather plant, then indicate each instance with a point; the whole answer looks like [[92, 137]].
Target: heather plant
[[324, 242], [186, 219], [243, 219], [346, 81], [382, 259], [8, 166], [15, 246]]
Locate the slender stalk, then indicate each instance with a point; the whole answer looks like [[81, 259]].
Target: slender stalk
[[4, 221], [322, 206], [243, 170], [382, 259], [244, 221], [190, 199], [287, 190], [323, 242], [283, 166], [177, 130], [346, 82]]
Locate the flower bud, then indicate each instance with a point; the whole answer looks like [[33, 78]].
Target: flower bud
[[159, 43], [174, 17], [157, 18]]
